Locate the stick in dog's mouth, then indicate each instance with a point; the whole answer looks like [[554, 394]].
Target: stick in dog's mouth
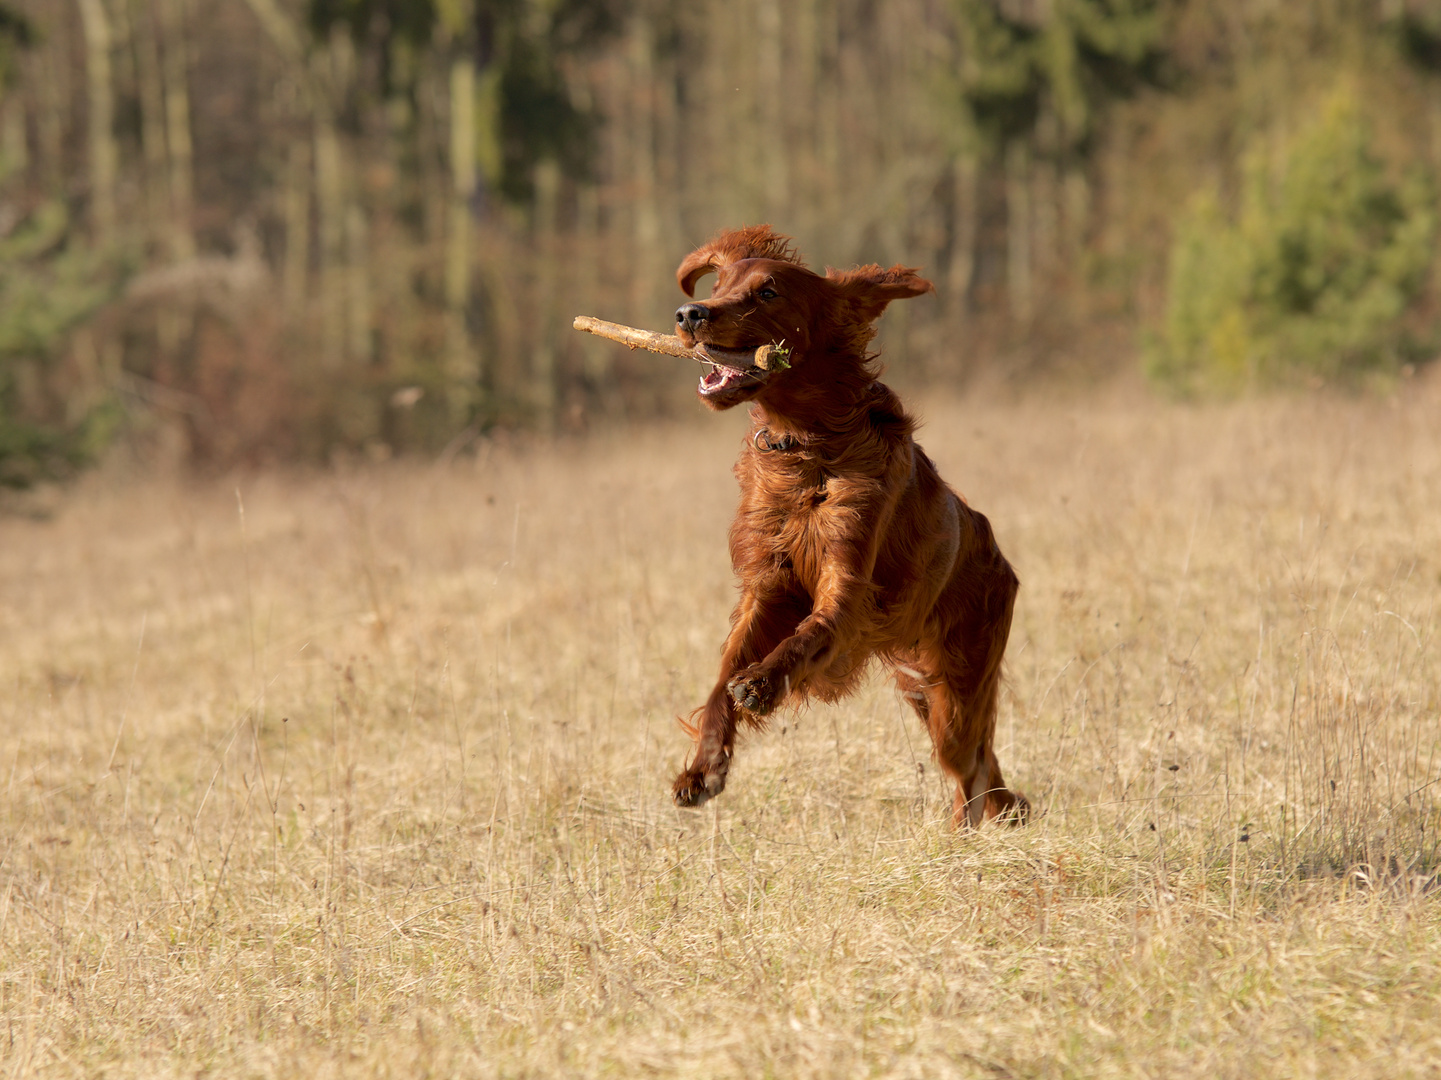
[[767, 358]]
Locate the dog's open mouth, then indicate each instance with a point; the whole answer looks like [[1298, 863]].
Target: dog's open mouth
[[730, 369], [720, 378]]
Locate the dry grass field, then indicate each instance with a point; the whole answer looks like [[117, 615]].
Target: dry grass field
[[366, 772]]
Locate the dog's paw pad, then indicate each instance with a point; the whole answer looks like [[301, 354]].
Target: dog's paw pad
[[754, 694]]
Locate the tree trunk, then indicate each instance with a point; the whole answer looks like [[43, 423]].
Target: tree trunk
[[1046, 203], [804, 91], [461, 363], [828, 105], [52, 106], [547, 204], [296, 201], [14, 151], [645, 265], [330, 199], [964, 217], [1019, 275], [671, 146], [588, 244], [100, 134], [177, 129], [315, 83], [152, 120], [775, 148], [1076, 193], [358, 320]]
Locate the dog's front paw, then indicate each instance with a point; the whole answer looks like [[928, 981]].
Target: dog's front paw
[[754, 691], [697, 786]]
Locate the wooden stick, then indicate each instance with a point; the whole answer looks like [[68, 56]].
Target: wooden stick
[[767, 357], [649, 340]]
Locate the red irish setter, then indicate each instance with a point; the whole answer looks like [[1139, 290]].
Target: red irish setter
[[847, 542]]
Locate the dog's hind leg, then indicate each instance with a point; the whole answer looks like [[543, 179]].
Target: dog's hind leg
[[962, 728], [923, 682], [921, 678], [1001, 802], [972, 622]]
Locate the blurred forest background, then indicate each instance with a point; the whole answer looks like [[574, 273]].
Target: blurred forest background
[[240, 231]]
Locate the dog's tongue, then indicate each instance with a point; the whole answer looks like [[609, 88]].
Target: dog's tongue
[[720, 377]]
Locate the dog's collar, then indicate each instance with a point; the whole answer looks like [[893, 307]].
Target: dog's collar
[[766, 445]]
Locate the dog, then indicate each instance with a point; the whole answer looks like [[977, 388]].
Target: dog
[[847, 543]]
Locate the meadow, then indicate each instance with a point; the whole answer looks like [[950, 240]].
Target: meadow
[[365, 771]]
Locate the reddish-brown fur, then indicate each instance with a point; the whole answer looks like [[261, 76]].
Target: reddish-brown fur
[[847, 543]]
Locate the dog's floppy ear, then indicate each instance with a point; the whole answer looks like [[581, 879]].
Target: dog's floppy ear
[[869, 288], [733, 245]]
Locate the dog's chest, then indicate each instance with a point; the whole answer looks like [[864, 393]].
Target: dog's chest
[[795, 510]]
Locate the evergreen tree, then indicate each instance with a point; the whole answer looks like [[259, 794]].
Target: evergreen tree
[[1071, 58]]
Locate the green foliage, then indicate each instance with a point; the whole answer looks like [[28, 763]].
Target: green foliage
[[1072, 61], [15, 29], [413, 21], [1314, 276], [538, 120], [51, 421], [16, 33], [31, 451], [526, 113], [1417, 32]]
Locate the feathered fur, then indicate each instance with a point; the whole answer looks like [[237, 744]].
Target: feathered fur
[[847, 543]]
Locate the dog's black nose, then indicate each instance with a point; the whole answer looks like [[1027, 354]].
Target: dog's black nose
[[691, 316]]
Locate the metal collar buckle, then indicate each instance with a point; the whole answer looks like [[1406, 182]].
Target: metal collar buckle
[[764, 444]]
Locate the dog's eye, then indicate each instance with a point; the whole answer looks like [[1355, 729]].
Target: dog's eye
[[767, 293]]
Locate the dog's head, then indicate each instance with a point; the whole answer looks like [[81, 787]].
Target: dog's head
[[764, 295]]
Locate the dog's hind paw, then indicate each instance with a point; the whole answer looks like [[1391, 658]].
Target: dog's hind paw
[[1015, 811]]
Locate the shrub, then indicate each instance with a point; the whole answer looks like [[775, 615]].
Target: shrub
[[1313, 277], [53, 417]]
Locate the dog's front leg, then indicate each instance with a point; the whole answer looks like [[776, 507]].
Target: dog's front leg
[[840, 615], [761, 620]]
